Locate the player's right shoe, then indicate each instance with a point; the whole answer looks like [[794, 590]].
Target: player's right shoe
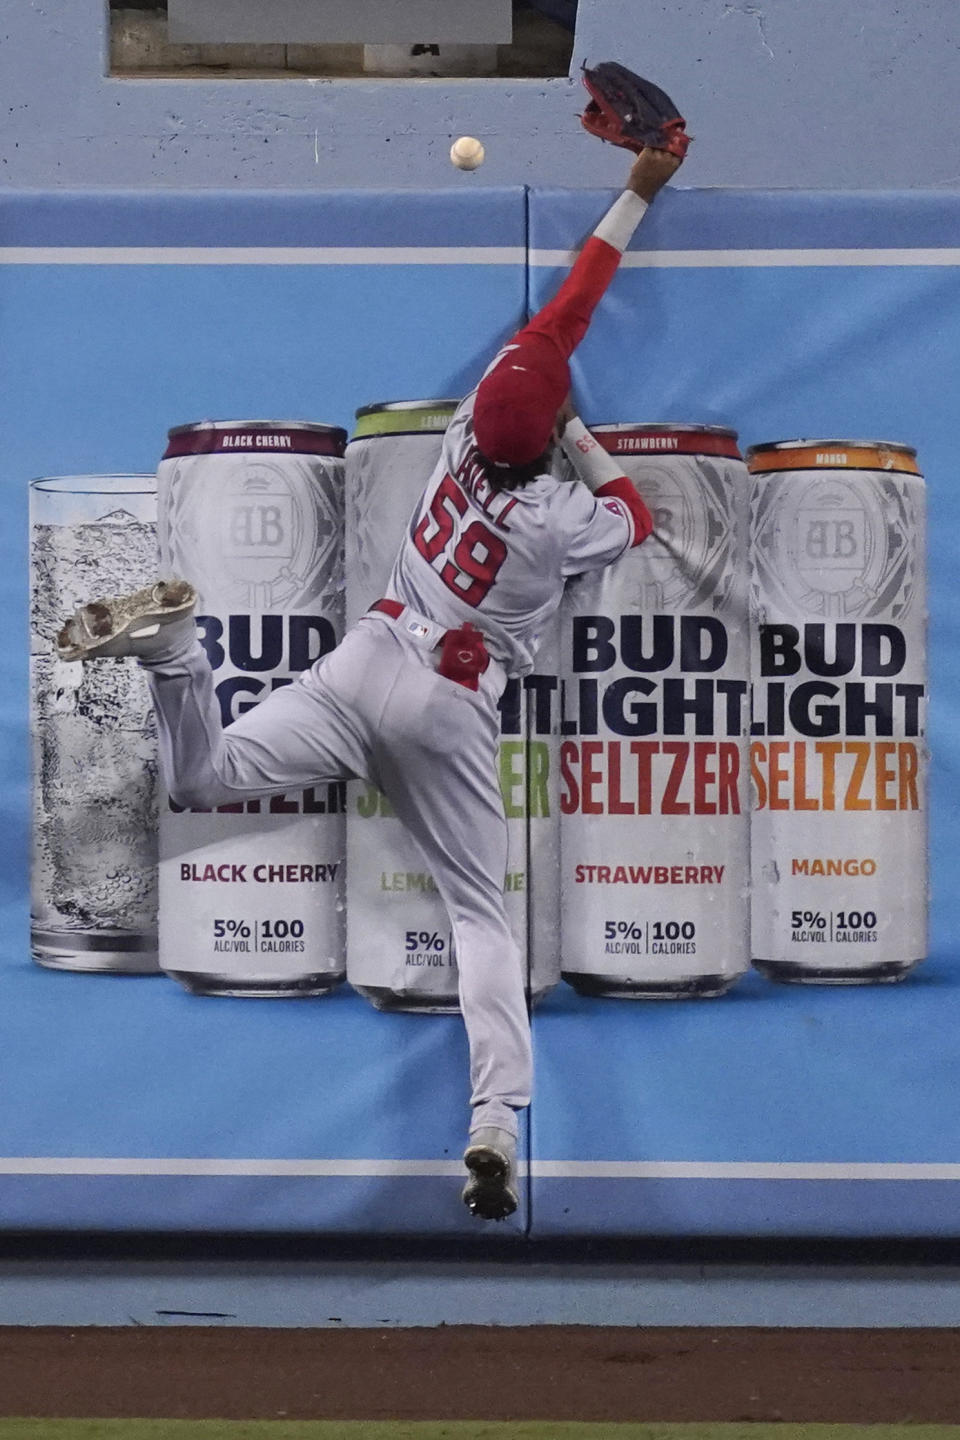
[[126, 624], [491, 1158]]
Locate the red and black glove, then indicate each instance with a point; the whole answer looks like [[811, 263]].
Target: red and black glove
[[630, 111]]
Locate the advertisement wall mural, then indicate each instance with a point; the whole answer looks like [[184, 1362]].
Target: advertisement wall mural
[[720, 778]]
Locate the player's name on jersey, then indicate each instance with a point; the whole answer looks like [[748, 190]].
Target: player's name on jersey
[[496, 504], [264, 873]]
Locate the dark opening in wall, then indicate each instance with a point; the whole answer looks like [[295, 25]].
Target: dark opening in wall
[[542, 46]]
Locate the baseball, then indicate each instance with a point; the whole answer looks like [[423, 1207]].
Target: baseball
[[467, 153]]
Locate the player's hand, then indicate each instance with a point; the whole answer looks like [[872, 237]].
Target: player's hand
[[650, 172]]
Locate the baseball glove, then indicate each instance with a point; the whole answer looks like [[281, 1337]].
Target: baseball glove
[[629, 111]]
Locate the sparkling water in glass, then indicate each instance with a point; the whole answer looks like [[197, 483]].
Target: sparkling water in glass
[[95, 784]]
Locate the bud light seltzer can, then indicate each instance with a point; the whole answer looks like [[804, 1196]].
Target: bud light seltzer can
[[838, 755], [251, 513], [95, 789], [654, 830], [399, 945]]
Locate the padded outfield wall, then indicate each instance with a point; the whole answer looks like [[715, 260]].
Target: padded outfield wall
[[771, 1111]]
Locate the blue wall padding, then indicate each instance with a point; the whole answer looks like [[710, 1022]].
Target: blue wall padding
[[96, 361], [284, 217], [771, 1073], [755, 219]]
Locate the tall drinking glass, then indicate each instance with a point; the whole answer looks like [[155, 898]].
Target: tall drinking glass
[[95, 787]]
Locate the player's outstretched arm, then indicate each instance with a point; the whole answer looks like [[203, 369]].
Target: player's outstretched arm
[[517, 400], [566, 318]]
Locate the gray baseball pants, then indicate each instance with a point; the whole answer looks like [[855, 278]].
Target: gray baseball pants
[[375, 709]]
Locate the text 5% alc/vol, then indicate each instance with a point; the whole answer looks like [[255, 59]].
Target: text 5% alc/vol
[[424, 940], [842, 920], [659, 930], [269, 929]]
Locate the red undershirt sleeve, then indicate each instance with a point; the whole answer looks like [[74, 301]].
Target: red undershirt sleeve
[[566, 318], [622, 489]]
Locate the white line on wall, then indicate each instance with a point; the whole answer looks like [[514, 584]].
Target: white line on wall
[[756, 259], [52, 1165], [261, 255], [459, 255]]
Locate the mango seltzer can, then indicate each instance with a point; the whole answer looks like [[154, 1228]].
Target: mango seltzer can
[[838, 750]]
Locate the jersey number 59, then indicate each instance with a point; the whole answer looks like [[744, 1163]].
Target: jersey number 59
[[471, 564]]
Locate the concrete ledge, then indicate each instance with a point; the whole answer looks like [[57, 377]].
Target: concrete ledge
[[295, 1293]]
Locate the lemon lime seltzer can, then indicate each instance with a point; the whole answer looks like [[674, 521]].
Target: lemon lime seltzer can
[[400, 951]]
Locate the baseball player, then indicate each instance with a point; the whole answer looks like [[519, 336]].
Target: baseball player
[[408, 700]]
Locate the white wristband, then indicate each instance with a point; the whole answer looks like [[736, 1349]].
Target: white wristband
[[587, 456], [621, 220]]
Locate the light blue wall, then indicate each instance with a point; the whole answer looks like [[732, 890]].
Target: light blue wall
[[809, 93], [832, 94]]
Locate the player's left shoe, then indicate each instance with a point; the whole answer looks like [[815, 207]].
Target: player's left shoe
[[491, 1158], [126, 624]]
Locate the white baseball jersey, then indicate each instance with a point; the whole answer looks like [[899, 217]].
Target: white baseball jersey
[[499, 558]]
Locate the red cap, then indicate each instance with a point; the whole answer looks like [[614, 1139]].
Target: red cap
[[517, 403]]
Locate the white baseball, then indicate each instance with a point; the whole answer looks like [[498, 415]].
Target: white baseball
[[467, 153]]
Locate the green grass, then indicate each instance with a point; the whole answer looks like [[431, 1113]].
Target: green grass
[[449, 1430]]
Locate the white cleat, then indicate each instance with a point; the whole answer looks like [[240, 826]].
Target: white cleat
[[125, 624], [491, 1158]]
